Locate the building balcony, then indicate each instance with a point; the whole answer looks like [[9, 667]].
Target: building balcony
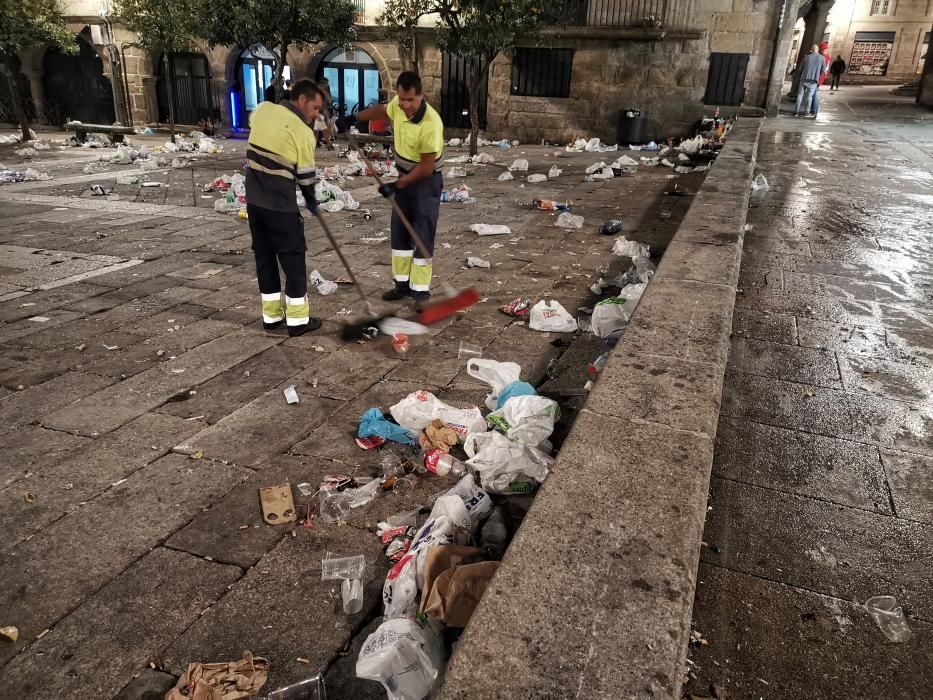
[[620, 14]]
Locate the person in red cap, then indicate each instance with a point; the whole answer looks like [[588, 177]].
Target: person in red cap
[[824, 50]]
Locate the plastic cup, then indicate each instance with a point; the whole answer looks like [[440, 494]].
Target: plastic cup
[[334, 506], [889, 616], [351, 590], [468, 351], [342, 567], [405, 486]]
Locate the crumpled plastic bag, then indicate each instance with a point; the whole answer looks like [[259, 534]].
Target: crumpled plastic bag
[[568, 220], [554, 172], [537, 177], [526, 419], [610, 316], [503, 377], [550, 316], [437, 436], [231, 680], [405, 656], [505, 176], [483, 159], [373, 422], [519, 165], [490, 229], [595, 167], [419, 408], [505, 466], [629, 249]]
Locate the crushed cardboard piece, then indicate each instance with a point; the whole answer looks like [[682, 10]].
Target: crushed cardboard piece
[[278, 506]]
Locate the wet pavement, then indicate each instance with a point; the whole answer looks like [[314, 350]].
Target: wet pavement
[[142, 407], [822, 489]]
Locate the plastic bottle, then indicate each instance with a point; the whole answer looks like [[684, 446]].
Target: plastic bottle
[[442, 464], [231, 201], [596, 366], [494, 534]]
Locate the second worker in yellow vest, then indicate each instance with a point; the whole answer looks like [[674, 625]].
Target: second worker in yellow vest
[[419, 155]]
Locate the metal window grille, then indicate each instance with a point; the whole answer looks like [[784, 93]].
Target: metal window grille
[[613, 13], [725, 82], [870, 57], [360, 15], [880, 7], [542, 72]]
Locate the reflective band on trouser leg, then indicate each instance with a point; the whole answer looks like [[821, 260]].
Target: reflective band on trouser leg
[[272, 310], [401, 264], [297, 311], [421, 275]]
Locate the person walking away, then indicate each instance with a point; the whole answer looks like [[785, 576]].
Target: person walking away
[[836, 69], [280, 155], [419, 154], [812, 68], [329, 132], [824, 52]]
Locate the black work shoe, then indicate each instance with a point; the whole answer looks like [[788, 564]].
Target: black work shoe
[[312, 325], [396, 294], [422, 299], [272, 326]]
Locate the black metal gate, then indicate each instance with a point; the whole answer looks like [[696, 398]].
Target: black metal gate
[[455, 95], [725, 83], [76, 87], [196, 100]]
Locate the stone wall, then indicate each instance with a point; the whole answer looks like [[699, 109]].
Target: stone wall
[[664, 77]]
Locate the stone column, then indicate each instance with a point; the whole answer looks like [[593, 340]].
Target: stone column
[[782, 47], [812, 34], [925, 95]]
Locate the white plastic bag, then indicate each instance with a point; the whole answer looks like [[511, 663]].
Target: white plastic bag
[[609, 317], [490, 229], [419, 408], [519, 165], [622, 161], [333, 206], [568, 220], [537, 177], [760, 183], [604, 174], [528, 420], [483, 159], [595, 167], [629, 249], [554, 172], [551, 317], [400, 590], [505, 466], [477, 501], [323, 286], [505, 176], [405, 656], [498, 375]]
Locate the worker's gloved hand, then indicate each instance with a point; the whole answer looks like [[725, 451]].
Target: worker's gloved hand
[[387, 189]]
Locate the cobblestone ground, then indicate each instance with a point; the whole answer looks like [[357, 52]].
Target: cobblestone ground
[[822, 490], [131, 344]]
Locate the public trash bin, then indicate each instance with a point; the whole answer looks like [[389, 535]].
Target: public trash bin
[[633, 126]]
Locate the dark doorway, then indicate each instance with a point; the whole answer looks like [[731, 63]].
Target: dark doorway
[[353, 77], [192, 89], [76, 88], [8, 111], [455, 95], [255, 72]]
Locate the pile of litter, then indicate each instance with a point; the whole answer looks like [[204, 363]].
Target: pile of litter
[[8, 176], [593, 145]]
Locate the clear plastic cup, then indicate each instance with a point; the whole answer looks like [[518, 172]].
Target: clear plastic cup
[[889, 616], [468, 351], [404, 486], [351, 590], [334, 506], [342, 567]]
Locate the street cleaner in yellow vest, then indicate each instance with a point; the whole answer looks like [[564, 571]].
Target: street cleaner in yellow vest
[[280, 155], [419, 155]]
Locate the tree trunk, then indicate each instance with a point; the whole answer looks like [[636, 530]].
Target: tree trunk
[[16, 92], [170, 92], [280, 70], [473, 84]]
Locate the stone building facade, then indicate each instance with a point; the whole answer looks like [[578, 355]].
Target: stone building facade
[[882, 41], [687, 59]]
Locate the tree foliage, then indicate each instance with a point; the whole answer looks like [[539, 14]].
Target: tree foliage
[[399, 21], [277, 25], [162, 25], [26, 24], [478, 30]]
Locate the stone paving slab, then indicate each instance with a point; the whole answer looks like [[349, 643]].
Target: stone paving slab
[[119, 404], [788, 362], [283, 611], [35, 447], [756, 630], [62, 486], [161, 497], [837, 471], [36, 401], [120, 629]]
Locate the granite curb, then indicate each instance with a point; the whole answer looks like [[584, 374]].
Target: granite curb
[[595, 595]]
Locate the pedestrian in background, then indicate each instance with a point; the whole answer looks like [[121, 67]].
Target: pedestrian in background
[[836, 69], [812, 68], [824, 51]]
